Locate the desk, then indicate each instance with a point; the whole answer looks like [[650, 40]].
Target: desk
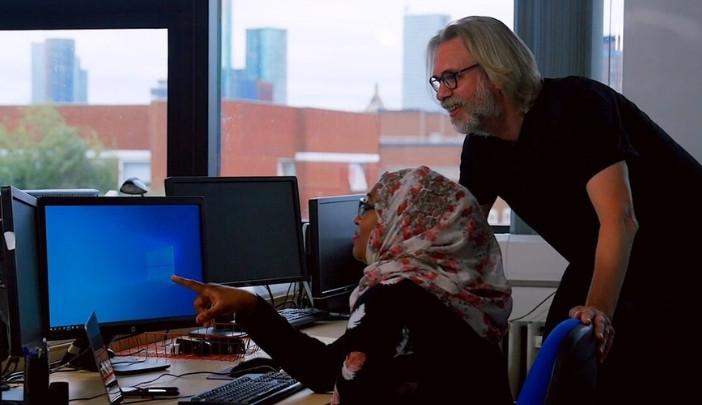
[[85, 384]]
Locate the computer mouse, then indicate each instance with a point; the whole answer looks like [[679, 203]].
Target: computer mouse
[[256, 365]]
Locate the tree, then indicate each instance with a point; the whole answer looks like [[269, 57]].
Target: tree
[[42, 151]]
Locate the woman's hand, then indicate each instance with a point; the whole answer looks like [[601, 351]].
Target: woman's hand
[[604, 331], [215, 300]]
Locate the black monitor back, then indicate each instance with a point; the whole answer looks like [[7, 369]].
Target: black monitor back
[[21, 301], [254, 227], [334, 272]]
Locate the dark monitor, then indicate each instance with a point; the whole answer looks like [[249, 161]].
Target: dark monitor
[[114, 256], [20, 307], [254, 230], [334, 272]]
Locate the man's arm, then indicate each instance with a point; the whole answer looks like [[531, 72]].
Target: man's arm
[[610, 194]]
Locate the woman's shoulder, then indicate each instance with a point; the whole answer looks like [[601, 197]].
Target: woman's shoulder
[[402, 295]]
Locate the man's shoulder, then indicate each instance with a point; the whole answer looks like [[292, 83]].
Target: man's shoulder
[[575, 83]]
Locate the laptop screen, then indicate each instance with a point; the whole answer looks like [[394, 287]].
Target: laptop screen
[[102, 360]]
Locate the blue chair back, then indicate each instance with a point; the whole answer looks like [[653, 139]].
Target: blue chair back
[[564, 370]]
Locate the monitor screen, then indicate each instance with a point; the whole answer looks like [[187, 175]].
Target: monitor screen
[[254, 230], [20, 286], [334, 272], [114, 256]]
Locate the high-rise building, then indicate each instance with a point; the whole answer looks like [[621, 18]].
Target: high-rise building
[[80, 83], [227, 62], [56, 73], [613, 56], [264, 77], [267, 60], [417, 30]]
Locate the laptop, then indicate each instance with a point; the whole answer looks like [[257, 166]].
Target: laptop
[[103, 362]]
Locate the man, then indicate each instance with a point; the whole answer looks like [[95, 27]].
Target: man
[[592, 174]]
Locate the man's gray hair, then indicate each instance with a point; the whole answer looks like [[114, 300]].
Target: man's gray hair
[[504, 57]]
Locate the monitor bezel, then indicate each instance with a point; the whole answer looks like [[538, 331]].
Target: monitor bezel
[[318, 284], [62, 192], [23, 307], [127, 327], [172, 188]]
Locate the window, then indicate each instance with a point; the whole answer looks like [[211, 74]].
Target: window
[[248, 93], [86, 71], [340, 93]]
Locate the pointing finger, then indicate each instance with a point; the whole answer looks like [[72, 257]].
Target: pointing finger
[[186, 282]]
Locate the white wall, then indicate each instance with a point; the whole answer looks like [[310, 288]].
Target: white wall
[[662, 58], [533, 269]]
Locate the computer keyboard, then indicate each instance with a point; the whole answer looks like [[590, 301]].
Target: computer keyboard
[[299, 317], [250, 389]]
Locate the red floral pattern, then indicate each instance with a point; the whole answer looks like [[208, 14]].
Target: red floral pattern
[[431, 230]]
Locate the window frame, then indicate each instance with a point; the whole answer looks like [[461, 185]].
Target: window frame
[[193, 109]]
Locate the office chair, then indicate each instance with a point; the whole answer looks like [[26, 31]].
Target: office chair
[[564, 370]]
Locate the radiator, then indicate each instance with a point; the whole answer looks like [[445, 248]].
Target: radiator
[[523, 342]]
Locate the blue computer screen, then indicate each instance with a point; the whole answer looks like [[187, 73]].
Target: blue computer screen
[[115, 256]]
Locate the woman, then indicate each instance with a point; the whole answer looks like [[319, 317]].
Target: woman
[[426, 318]]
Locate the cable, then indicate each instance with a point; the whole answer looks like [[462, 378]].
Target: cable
[[12, 360], [533, 309], [270, 294]]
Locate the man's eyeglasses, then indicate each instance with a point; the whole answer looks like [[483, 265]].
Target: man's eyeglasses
[[364, 206], [449, 79]]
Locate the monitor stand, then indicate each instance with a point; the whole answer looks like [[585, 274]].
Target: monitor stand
[[216, 331], [308, 290], [85, 360], [223, 327]]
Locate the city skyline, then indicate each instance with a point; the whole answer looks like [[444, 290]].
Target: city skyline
[[417, 30], [56, 73], [338, 70]]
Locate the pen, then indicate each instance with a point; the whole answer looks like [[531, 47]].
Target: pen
[[152, 392]]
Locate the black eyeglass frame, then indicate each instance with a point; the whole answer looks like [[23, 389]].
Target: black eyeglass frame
[[449, 79], [364, 206]]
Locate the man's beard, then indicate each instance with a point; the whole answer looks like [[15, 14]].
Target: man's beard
[[482, 110]]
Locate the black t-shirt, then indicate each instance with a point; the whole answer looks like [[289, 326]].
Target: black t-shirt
[[576, 128]]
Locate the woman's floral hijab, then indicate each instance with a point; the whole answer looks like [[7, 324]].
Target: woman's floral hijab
[[431, 231]]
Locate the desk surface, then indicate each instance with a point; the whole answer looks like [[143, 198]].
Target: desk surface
[[85, 388]]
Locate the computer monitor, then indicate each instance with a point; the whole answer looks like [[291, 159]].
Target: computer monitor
[[63, 192], [20, 307], [115, 256], [254, 227], [334, 272]]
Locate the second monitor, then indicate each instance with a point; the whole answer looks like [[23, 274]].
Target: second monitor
[[254, 233], [334, 272]]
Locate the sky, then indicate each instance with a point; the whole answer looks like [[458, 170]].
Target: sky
[[338, 51]]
